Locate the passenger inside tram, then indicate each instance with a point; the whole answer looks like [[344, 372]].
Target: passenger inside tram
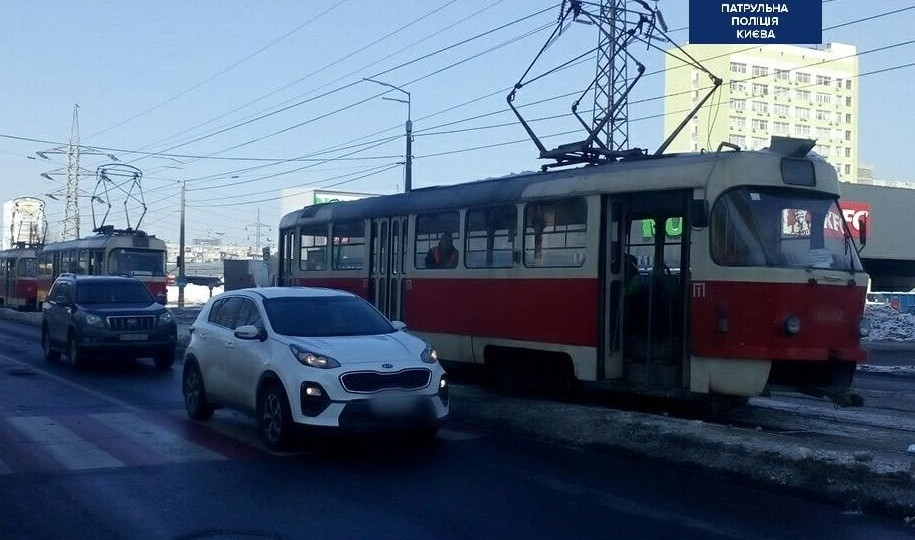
[[443, 255]]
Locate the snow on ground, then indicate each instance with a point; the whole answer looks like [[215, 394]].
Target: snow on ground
[[194, 295], [887, 324], [888, 370]]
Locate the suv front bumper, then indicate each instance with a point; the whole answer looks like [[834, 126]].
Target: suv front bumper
[[146, 341]]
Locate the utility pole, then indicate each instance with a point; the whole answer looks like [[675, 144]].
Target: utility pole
[[257, 226], [408, 168], [182, 280], [69, 227], [612, 77], [408, 128]]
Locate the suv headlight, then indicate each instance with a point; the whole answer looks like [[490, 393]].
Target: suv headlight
[[165, 318], [94, 320], [429, 355], [311, 359]]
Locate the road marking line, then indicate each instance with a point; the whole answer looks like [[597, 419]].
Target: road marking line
[[68, 448], [453, 435], [159, 439], [72, 384]]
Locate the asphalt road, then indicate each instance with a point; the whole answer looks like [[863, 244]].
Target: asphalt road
[[107, 453]]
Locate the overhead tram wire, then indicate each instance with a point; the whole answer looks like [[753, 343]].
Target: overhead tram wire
[[260, 178], [367, 175], [338, 89], [655, 98], [374, 96], [749, 48], [220, 72], [449, 108], [359, 148], [419, 132], [653, 116], [335, 62]]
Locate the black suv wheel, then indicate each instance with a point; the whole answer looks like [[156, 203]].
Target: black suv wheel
[[75, 353], [50, 354]]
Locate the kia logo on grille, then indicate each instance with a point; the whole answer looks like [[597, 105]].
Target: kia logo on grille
[[131, 323], [387, 366]]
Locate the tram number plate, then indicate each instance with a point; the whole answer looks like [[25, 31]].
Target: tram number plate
[[134, 337]]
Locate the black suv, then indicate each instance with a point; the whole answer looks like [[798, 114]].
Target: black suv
[[106, 315]]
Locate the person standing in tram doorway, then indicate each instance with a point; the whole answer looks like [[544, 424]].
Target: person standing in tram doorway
[[443, 255]]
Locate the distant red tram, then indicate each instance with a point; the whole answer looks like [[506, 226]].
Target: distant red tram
[[718, 273], [19, 278], [109, 252]]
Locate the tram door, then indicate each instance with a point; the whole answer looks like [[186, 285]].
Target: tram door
[[386, 271], [647, 273], [8, 275]]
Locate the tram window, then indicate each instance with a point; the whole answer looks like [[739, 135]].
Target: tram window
[[287, 247], [642, 239], [383, 248], [555, 233], [45, 264], [82, 266], [27, 267], [434, 233], [136, 262], [96, 262], [65, 264], [490, 237], [780, 227], [349, 245], [313, 242], [395, 248]]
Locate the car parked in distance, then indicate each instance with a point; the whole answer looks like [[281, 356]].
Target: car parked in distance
[[296, 356], [108, 318]]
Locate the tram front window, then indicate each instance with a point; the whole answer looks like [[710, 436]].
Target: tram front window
[[28, 267], [136, 262], [783, 228]]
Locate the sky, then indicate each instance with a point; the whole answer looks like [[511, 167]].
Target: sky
[[247, 98]]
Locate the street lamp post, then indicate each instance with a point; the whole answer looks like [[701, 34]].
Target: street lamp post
[[408, 162]]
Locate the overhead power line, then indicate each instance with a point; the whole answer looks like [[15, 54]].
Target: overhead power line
[[220, 72], [351, 84]]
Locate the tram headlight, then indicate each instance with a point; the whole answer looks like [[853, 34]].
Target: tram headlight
[[864, 327], [792, 325]]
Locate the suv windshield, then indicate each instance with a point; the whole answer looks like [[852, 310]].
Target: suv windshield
[[325, 316], [781, 227], [112, 293]]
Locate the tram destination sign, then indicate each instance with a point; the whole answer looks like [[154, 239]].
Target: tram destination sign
[[755, 22]]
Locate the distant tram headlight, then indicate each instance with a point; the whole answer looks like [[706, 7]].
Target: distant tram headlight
[[864, 327], [792, 325]]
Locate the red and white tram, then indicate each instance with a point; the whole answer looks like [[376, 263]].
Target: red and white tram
[[109, 252], [18, 277], [746, 276]]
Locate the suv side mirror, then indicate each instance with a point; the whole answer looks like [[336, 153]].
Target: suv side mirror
[[161, 298], [399, 325], [250, 332]]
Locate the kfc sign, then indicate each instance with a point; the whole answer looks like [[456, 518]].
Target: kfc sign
[[853, 213]]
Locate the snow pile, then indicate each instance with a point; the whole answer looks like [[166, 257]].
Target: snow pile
[[887, 324], [194, 295]]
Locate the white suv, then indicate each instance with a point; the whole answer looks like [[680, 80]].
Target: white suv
[[315, 357]]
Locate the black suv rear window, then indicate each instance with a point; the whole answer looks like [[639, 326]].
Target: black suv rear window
[[112, 293]]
